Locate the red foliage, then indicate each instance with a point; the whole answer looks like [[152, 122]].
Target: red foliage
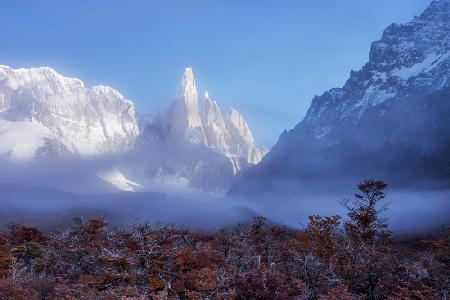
[[325, 260], [261, 284]]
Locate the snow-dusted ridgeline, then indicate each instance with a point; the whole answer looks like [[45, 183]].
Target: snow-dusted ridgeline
[[216, 146], [200, 120], [390, 119], [85, 121], [43, 113]]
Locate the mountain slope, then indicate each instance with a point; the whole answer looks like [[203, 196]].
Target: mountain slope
[[390, 120], [201, 121], [44, 114], [76, 119], [194, 143]]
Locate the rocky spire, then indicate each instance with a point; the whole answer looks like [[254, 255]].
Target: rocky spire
[[201, 121], [183, 115]]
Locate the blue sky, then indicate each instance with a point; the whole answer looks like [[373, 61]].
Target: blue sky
[[266, 58]]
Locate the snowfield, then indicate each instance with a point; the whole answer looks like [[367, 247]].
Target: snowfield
[[22, 139]]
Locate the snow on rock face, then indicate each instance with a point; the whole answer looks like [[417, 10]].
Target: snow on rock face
[[43, 113], [413, 58], [21, 140], [390, 120], [117, 179], [213, 124], [85, 121], [229, 134], [429, 62], [183, 116], [197, 142], [201, 122], [241, 139]]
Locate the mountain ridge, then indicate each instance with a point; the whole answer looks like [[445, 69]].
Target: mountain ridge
[[360, 130], [44, 114], [85, 121], [216, 146]]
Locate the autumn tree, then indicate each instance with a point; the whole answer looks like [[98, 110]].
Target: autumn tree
[[365, 225], [261, 284], [366, 262], [330, 258], [314, 255], [321, 236]]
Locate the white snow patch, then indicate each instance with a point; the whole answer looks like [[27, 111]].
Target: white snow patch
[[116, 178], [374, 96], [379, 96], [426, 65], [87, 121], [113, 125], [22, 139]]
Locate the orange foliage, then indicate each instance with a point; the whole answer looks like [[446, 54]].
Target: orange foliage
[[325, 260]]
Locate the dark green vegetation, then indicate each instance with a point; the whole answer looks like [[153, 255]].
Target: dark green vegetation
[[331, 258]]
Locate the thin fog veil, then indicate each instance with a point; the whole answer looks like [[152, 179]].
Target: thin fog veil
[[408, 211], [27, 195]]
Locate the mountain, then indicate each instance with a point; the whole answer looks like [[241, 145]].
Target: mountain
[[200, 121], [194, 143], [43, 112], [390, 120]]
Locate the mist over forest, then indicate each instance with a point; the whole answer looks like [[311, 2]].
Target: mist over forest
[[110, 189]]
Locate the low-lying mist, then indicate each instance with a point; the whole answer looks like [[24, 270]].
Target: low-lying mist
[[408, 211], [50, 193]]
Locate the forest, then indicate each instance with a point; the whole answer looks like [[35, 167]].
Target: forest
[[355, 256]]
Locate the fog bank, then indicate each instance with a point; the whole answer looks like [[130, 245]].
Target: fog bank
[[408, 211]]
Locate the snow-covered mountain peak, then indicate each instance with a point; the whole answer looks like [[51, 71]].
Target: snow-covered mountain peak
[[183, 116], [79, 120], [209, 106], [107, 90], [188, 90], [213, 124], [390, 119], [187, 94], [188, 77], [224, 143], [408, 59], [31, 76], [237, 121], [43, 113], [201, 121]]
